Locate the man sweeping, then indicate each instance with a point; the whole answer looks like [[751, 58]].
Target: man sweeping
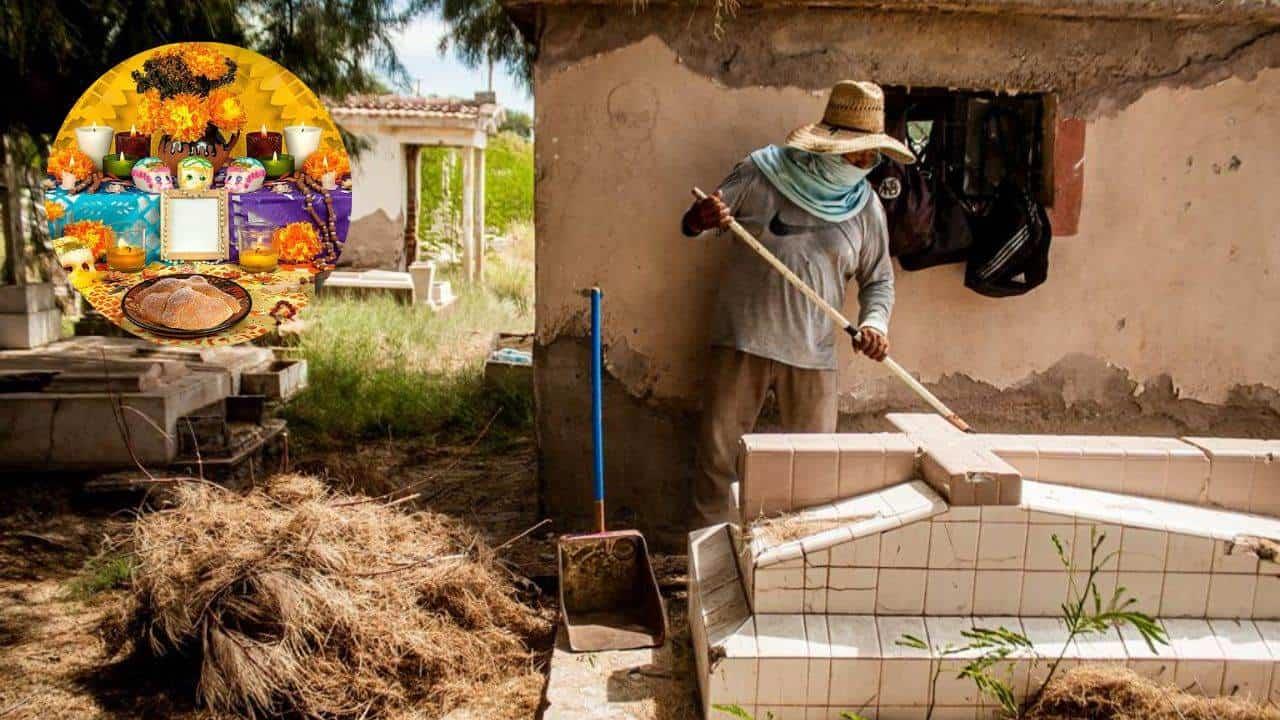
[[810, 204]]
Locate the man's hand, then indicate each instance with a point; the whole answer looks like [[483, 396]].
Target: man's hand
[[708, 213], [872, 343]]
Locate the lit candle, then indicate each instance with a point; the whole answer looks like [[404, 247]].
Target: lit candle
[[133, 143], [329, 179], [125, 257], [278, 165], [95, 141], [120, 166], [262, 144], [259, 258], [301, 140]]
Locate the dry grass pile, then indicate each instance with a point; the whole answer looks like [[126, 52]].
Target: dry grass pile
[[293, 601], [1102, 692], [793, 526]]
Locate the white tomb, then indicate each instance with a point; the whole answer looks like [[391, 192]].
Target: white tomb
[[854, 541]]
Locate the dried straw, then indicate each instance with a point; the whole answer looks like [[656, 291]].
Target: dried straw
[[1108, 692], [785, 528], [294, 601]]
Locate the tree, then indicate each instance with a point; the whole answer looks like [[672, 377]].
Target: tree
[[53, 51], [518, 122], [481, 32]]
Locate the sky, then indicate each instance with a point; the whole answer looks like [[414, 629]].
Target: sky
[[418, 48]]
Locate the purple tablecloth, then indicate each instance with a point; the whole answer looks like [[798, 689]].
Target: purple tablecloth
[[281, 208]]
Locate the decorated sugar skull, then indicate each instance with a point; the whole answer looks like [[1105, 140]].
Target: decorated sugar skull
[[77, 260], [195, 173], [245, 175], [152, 175]]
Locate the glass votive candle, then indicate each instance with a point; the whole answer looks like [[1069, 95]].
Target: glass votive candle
[[129, 254], [256, 245]]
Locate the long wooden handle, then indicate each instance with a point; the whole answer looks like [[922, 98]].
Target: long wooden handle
[[840, 320]]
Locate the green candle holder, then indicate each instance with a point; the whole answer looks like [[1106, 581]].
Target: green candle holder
[[277, 166], [118, 166]]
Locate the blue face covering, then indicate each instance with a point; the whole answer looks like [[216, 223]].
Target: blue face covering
[[826, 186]]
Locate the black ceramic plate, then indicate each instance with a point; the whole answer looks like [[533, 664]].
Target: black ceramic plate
[[129, 306]]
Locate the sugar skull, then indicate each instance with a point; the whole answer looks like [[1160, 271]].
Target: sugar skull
[[245, 175], [77, 260], [195, 173], [152, 175]]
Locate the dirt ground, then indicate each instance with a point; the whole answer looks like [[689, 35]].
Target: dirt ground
[[54, 665]]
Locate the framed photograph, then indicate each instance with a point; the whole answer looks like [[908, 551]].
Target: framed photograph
[[193, 225]]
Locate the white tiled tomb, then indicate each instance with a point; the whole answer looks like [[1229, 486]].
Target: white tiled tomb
[[853, 541]]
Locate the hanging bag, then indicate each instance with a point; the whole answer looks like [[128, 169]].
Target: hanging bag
[[906, 193], [928, 222], [1010, 252]]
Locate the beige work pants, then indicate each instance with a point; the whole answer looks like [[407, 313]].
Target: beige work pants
[[736, 386]]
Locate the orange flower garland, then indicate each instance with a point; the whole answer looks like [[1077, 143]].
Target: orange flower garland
[[184, 117], [54, 210], [94, 234], [327, 159], [226, 111], [71, 160], [149, 109], [202, 60], [297, 242]]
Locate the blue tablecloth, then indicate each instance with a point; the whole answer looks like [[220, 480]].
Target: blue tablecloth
[[129, 207], [119, 210]]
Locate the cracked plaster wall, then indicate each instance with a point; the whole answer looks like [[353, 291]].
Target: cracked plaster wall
[[1159, 307]]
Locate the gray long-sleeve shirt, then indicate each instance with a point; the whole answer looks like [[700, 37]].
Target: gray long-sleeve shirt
[[757, 310]]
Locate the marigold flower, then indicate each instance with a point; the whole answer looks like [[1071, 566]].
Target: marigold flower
[[184, 117], [324, 160], [70, 159], [297, 242], [94, 234], [54, 210], [149, 108], [203, 60], [226, 111]]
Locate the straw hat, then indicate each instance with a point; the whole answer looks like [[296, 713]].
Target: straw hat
[[853, 122]]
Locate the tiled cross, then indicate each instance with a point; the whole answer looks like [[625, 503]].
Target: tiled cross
[[784, 472]]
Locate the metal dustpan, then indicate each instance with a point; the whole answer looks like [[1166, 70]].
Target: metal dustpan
[[608, 593]]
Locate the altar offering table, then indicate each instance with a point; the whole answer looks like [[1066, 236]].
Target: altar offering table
[[276, 296], [122, 206]]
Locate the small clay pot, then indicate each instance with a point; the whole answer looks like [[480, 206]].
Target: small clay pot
[[211, 147]]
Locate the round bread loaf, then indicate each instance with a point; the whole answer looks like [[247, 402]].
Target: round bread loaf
[[186, 304]]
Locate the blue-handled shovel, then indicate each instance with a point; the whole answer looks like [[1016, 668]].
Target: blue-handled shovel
[[608, 593]]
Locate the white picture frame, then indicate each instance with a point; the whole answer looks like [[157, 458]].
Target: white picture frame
[[193, 225]]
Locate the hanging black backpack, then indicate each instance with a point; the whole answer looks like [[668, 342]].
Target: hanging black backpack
[[928, 222], [1010, 251]]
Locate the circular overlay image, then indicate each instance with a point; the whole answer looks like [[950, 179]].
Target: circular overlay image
[[193, 193]]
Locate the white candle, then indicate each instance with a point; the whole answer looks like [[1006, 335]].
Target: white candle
[[329, 180], [68, 181], [301, 141], [95, 141]]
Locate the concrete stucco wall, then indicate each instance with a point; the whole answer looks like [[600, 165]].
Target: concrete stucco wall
[[377, 210], [1155, 317]]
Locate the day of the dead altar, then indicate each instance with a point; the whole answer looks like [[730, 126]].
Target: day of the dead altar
[[195, 191]]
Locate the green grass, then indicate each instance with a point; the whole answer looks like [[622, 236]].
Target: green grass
[[510, 275], [380, 369], [99, 574]]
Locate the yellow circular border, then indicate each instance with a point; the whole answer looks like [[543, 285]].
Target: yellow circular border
[[272, 96]]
